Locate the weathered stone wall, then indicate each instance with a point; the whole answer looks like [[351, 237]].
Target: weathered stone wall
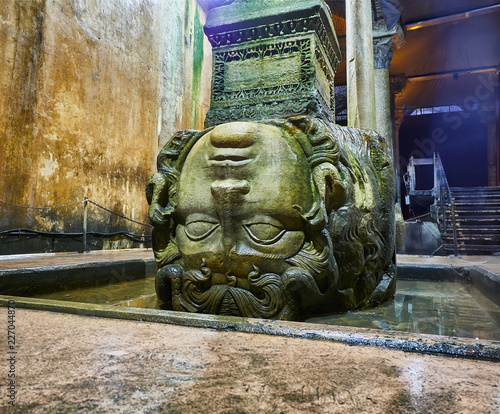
[[89, 92]]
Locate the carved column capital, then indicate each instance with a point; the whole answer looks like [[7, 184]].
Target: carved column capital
[[384, 42], [383, 49]]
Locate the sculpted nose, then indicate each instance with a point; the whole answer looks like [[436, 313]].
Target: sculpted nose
[[239, 260], [234, 135]]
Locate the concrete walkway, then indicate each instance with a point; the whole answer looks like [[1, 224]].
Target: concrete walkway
[[72, 363], [24, 261], [69, 363], [490, 263]]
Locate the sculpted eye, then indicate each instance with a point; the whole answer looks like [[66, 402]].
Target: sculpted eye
[[264, 233], [198, 230]]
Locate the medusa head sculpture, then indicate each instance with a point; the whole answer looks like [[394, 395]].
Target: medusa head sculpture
[[279, 218]]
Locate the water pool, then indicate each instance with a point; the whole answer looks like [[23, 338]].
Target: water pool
[[448, 308]]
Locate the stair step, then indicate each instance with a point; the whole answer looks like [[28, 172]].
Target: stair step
[[477, 203], [478, 206], [472, 235], [473, 240], [467, 212], [469, 235], [477, 218], [465, 226], [460, 201], [486, 194], [485, 218], [476, 249], [474, 189], [480, 228]]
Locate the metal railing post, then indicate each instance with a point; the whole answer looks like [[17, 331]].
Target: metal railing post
[[85, 215], [454, 224], [442, 206], [413, 179], [437, 181]]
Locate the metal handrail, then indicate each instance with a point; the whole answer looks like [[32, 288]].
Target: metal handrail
[[441, 185], [440, 180], [441, 192]]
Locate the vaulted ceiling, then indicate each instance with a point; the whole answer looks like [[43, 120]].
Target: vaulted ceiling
[[451, 47]]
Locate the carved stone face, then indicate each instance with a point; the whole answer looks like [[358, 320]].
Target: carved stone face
[[241, 193], [273, 219]]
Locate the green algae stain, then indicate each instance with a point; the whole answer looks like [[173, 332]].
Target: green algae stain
[[198, 37]]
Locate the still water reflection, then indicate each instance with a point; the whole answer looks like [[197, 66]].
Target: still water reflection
[[441, 308]]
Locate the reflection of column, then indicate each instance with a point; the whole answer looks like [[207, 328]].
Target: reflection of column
[[359, 51], [488, 117]]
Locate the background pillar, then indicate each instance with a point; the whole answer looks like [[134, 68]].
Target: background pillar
[[398, 120], [360, 77], [489, 118], [384, 41], [382, 51], [397, 84]]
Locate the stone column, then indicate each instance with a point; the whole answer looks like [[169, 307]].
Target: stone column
[[359, 50], [397, 84], [489, 118], [398, 120], [382, 53], [384, 41]]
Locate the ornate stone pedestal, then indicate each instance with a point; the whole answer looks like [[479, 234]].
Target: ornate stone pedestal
[[272, 59]]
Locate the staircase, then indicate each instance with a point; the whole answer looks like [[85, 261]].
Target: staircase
[[477, 218]]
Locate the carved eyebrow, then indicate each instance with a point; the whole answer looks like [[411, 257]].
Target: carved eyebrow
[[260, 218]]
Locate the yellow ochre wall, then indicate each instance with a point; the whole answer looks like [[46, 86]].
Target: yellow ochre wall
[[89, 92]]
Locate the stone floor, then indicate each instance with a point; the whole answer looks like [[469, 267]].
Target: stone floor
[[491, 263], [68, 363], [23, 261]]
